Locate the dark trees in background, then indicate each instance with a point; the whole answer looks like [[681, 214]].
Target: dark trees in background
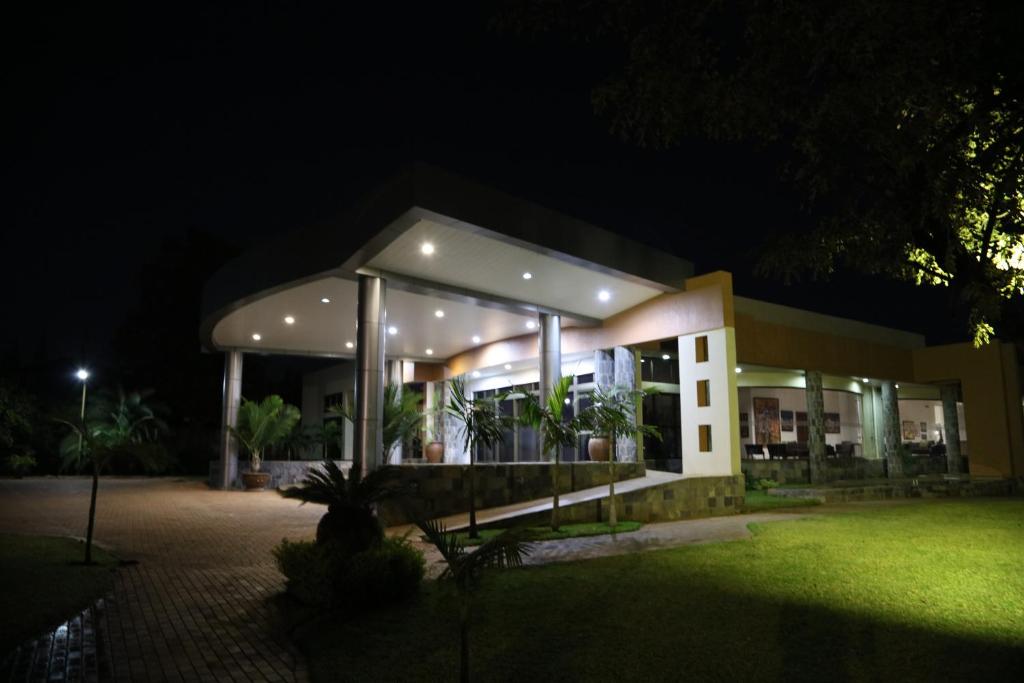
[[900, 123]]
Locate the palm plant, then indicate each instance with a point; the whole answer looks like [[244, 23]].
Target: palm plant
[[556, 432], [127, 426], [482, 426], [263, 424], [350, 519], [613, 414], [402, 416], [465, 570]]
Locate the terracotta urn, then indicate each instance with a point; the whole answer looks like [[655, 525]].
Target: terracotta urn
[[255, 481], [598, 448], [435, 452]]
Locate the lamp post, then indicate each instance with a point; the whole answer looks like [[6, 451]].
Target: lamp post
[[83, 376]]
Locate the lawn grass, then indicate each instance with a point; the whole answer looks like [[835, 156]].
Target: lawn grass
[[41, 585], [759, 501], [545, 533], [925, 591]]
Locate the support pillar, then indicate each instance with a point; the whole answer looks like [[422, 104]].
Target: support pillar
[[604, 370], [815, 424], [369, 414], [550, 353], [231, 398], [891, 439], [951, 426]]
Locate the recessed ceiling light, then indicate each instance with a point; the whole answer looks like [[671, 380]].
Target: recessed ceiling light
[[476, 338], [430, 352], [530, 324], [256, 336], [739, 370], [349, 345], [392, 330], [604, 295], [476, 373], [568, 401], [527, 275], [289, 320], [865, 380], [426, 248], [325, 300], [439, 313], [665, 356], [897, 386], [508, 366]]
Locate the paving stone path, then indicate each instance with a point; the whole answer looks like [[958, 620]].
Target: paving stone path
[[194, 607]]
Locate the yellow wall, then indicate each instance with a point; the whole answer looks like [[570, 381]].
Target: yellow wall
[[989, 381]]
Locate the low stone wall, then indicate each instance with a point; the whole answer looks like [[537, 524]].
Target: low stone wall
[[282, 472], [936, 488], [440, 490], [688, 498], [796, 471]]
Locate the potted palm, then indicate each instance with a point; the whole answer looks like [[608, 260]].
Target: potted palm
[[613, 415], [261, 425], [556, 432], [434, 431]]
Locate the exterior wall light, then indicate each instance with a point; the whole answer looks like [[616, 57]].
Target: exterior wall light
[[739, 370], [289, 320], [325, 300], [865, 380], [665, 356]]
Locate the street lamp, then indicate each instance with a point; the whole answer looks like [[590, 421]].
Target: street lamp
[[83, 376]]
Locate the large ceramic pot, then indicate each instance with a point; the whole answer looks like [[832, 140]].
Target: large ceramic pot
[[255, 481], [598, 448], [435, 452]]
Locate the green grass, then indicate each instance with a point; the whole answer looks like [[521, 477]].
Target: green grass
[[41, 585], [545, 533], [759, 501], [927, 591]]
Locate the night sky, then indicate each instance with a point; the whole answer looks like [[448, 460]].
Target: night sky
[[128, 127]]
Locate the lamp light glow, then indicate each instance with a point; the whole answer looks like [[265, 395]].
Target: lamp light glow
[[256, 336], [289, 320], [392, 330], [325, 300], [430, 352], [439, 313], [739, 370], [476, 373], [530, 324], [349, 345], [426, 248], [604, 295], [527, 275], [865, 380], [665, 356], [82, 374], [476, 338], [508, 366]]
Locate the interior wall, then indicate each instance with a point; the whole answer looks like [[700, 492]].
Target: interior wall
[[845, 403], [929, 412]]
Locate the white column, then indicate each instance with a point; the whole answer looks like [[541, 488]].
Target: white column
[[369, 413], [395, 377], [231, 398], [721, 417]]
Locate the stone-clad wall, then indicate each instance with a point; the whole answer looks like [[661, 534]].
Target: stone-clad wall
[[440, 490], [282, 472], [794, 470], [680, 499]]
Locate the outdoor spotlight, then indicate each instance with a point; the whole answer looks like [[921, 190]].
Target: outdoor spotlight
[[476, 338], [392, 330], [82, 374], [665, 356], [427, 248], [349, 345], [256, 336], [439, 313], [430, 352], [604, 295], [325, 300], [739, 370], [289, 320]]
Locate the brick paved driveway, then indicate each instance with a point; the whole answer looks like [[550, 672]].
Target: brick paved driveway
[[194, 607]]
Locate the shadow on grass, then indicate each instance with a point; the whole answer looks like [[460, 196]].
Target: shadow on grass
[[567, 628]]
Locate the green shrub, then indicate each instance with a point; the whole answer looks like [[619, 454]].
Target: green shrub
[[325, 575], [761, 484], [20, 465]]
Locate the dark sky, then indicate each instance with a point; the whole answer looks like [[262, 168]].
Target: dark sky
[[128, 125]]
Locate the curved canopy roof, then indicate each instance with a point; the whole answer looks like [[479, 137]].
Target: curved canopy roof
[[468, 286]]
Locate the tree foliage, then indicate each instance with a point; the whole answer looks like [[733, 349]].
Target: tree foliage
[[261, 424], [902, 122]]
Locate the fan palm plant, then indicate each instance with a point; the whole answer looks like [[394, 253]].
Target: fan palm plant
[[613, 414], [482, 426], [465, 570], [402, 416], [556, 432], [261, 424], [350, 519], [127, 426]]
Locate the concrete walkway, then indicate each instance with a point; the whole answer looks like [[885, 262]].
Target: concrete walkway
[[194, 608]]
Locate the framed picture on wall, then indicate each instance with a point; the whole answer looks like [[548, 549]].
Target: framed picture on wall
[[831, 423], [787, 420], [924, 431], [766, 420], [909, 430], [744, 426]]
